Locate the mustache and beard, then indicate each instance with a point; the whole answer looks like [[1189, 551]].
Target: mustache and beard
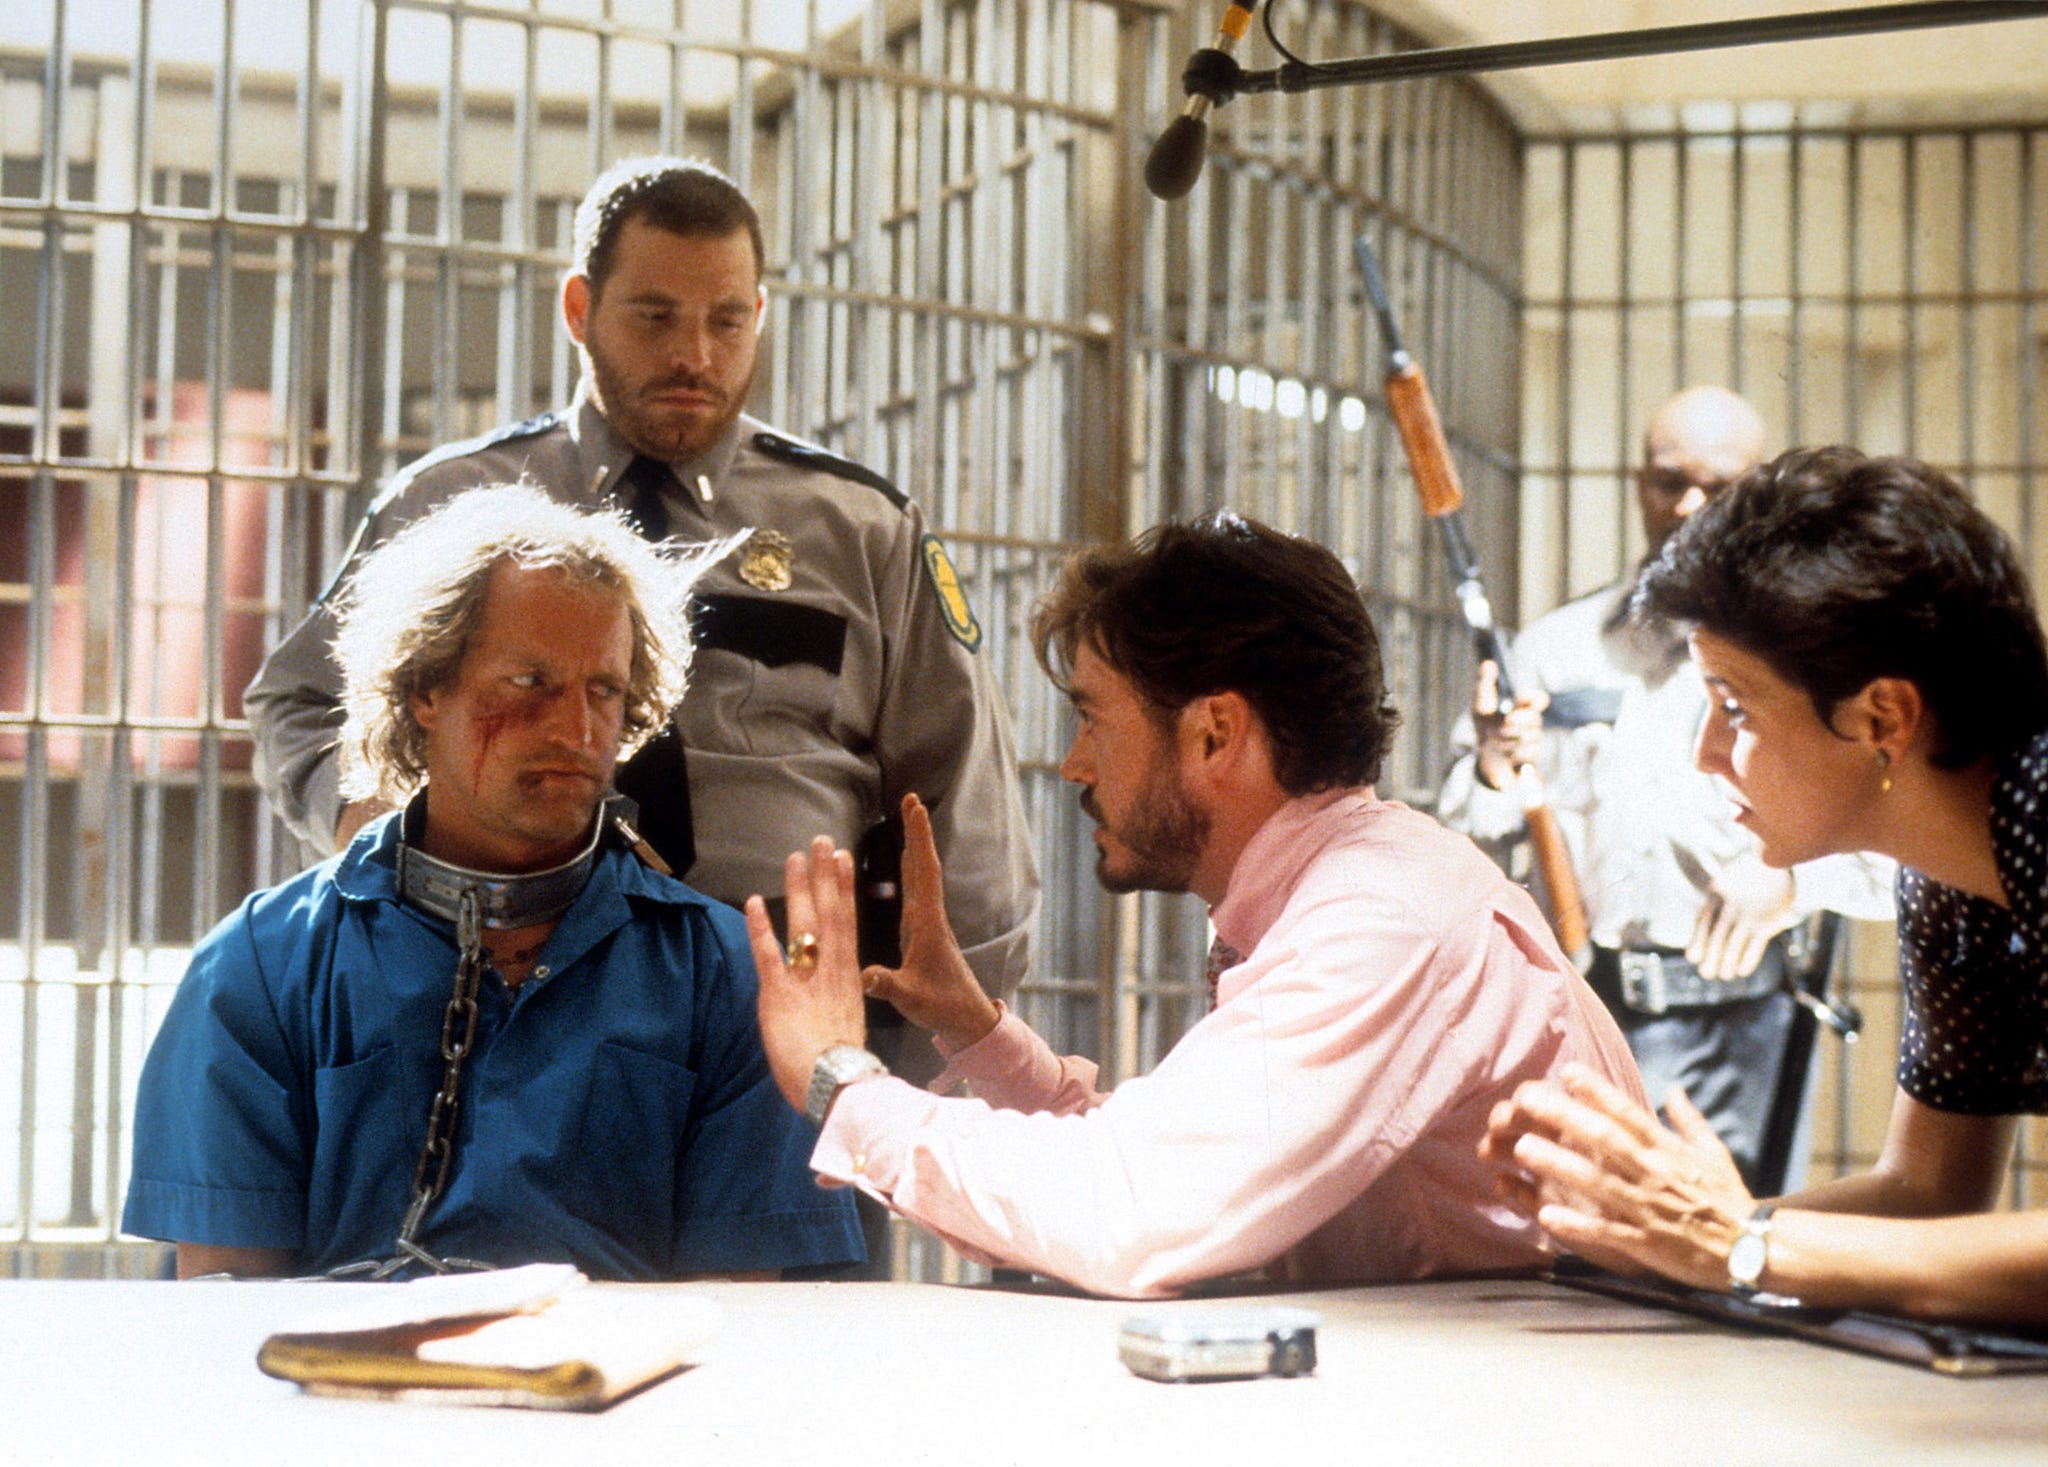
[[660, 429], [1162, 835]]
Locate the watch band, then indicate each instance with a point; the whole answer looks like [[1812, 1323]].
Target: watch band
[[832, 1072], [1750, 1253]]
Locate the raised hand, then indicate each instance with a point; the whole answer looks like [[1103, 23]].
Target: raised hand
[[934, 987], [810, 993]]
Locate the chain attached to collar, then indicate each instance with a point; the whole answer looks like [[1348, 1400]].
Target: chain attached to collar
[[430, 1172], [458, 1036], [474, 900]]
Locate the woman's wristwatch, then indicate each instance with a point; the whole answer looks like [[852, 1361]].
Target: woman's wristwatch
[[1750, 1253]]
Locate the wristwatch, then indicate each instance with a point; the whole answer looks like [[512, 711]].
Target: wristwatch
[[834, 1070], [1751, 1252]]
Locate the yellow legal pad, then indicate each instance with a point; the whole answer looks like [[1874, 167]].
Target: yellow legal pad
[[541, 1336]]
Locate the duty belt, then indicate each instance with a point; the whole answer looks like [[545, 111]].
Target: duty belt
[[1657, 980]]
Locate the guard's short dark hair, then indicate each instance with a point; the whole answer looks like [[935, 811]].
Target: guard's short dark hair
[[685, 196], [1225, 604], [1836, 568]]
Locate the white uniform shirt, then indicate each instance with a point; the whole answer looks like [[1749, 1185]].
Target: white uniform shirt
[[1646, 829]]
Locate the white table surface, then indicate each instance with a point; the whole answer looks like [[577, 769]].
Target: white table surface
[[1482, 1372]]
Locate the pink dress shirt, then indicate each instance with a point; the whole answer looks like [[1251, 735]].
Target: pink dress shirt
[[1320, 1126]]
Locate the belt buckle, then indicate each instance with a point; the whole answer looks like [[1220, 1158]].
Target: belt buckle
[[1642, 982]]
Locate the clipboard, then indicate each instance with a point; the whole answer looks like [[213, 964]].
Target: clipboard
[[1945, 1348]]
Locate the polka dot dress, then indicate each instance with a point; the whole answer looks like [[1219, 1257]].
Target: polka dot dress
[[1976, 974]]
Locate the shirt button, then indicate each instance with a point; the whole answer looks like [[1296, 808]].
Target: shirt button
[[541, 970], [860, 1161]]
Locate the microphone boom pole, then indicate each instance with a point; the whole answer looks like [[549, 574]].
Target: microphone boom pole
[[1436, 480], [1213, 75], [1762, 30]]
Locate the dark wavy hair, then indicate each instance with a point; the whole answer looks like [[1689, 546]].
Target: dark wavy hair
[[681, 195], [1836, 568], [1225, 604]]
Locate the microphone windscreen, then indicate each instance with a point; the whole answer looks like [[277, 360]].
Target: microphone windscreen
[[1175, 161]]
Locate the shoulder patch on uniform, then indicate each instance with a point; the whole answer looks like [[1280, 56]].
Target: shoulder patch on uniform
[[810, 456], [531, 427], [952, 595]]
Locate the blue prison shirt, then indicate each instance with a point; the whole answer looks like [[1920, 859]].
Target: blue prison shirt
[[616, 1113]]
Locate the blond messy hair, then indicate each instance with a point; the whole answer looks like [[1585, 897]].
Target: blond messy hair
[[410, 611]]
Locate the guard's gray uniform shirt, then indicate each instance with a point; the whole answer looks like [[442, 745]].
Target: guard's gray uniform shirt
[[779, 750]]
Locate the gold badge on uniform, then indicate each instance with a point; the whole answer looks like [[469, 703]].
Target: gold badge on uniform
[[952, 596], [765, 562]]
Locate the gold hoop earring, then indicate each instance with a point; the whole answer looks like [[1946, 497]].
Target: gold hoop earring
[[1884, 772]]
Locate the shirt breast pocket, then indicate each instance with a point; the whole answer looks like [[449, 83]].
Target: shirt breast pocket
[[635, 1114], [767, 675], [370, 1116]]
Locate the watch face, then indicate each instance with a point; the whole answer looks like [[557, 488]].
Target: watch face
[[1746, 1258], [844, 1062], [838, 1066]]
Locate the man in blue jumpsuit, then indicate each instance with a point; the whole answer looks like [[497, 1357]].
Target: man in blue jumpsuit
[[487, 1030]]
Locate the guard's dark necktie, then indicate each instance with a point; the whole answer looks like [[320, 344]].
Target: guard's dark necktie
[[657, 778]]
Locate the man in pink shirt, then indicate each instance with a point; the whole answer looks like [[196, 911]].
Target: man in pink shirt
[[1383, 985]]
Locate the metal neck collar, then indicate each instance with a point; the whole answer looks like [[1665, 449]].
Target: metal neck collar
[[436, 887]]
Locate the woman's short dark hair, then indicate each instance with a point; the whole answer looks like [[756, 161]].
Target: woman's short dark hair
[[681, 195], [1836, 568], [1225, 604]]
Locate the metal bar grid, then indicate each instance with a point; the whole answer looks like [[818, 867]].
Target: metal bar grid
[[164, 408], [399, 230], [1881, 287]]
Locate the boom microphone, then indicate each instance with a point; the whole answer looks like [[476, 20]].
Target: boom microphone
[[1175, 161]]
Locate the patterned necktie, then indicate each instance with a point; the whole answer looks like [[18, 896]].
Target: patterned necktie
[[1222, 956], [657, 778]]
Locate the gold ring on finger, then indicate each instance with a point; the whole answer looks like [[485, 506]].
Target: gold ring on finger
[[803, 950]]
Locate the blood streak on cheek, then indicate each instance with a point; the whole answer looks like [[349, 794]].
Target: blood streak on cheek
[[488, 727]]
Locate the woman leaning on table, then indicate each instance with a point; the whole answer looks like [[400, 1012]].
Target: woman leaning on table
[[1878, 682]]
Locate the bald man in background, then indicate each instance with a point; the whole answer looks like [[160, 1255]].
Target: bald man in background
[[1687, 922]]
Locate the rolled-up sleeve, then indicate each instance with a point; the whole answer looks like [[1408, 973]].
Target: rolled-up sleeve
[[220, 1152]]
